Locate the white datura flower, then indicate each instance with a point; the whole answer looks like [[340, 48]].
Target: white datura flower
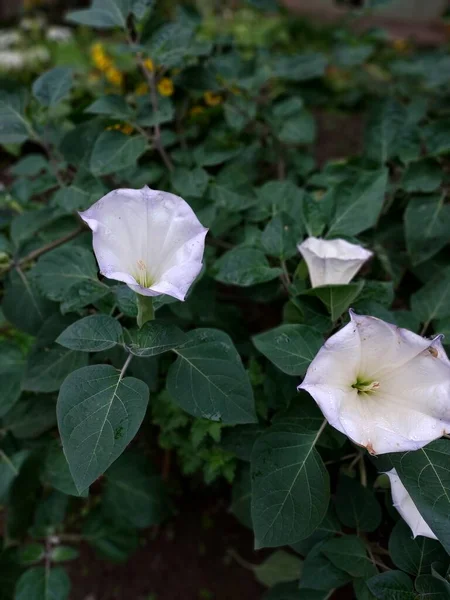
[[332, 261], [386, 388], [406, 507], [150, 240]]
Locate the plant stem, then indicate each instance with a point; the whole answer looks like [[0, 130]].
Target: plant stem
[[125, 366], [362, 471], [424, 328], [285, 272], [50, 246]]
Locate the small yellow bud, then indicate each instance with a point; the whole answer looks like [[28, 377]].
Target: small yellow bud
[[400, 45], [212, 99], [114, 76], [196, 110], [165, 87], [141, 89], [149, 65]]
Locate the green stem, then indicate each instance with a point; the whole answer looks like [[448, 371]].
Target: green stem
[[145, 310]]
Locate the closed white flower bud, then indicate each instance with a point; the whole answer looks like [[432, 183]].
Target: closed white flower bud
[[332, 261], [386, 388], [406, 507], [150, 240]]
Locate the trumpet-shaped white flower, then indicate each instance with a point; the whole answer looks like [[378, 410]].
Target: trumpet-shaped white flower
[[150, 240], [332, 261], [406, 507], [386, 388]]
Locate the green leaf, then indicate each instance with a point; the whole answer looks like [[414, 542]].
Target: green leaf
[[423, 175], [12, 369], [208, 380], [349, 554], [112, 106], [38, 584], [290, 482], [111, 540], [244, 267], [320, 574], [9, 470], [63, 553], [56, 472], [427, 222], [281, 236], [276, 197], [154, 338], [357, 203], [239, 440], [99, 413], [190, 182], [279, 567], [113, 151], [30, 165], [103, 14], [25, 225], [133, 494], [47, 368], [23, 305], [300, 67], [437, 137], [337, 298], [53, 86], [14, 126], [92, 334], [432, 588], [426, 476], [386, 121], [361, 590], [414, 555], [30, 417], [431, 301], [69, 275], [31, 553], [290, 347], [357, 506], [392, 585], [241, 497], [298, 129]]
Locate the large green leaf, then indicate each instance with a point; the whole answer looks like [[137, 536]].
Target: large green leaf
[[154, 338], [349, 554], [92, 334], [30, 417], [103, 14], [357, 506], [279, 567], [290, 482], [423, 175], [414, 555], [290, 347], [431, 301], [14, 126], [392, 585], [99, 413], [427, 223], [47, 368], [56, 472], [320, 574], [12, 369], [53, 86], [426, 476], [24, 306], [337, 298], [357, 203], [112, 106], [69, 275], [432, 588], [208, 379], [190, 182], [281, 236], [39, 584], [244, 267], [9, 470], [114, 151], [386, 121], [134, 494]]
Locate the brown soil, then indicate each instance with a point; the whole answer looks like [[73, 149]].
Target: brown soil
[[187, 559]]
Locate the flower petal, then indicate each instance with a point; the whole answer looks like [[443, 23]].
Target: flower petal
[[406, 507]]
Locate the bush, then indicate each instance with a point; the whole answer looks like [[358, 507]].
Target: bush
[[256, 123]]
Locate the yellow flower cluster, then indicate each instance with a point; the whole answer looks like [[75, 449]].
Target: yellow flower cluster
[[124, 128], [149, 65], [165, 87], [105, 64]]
